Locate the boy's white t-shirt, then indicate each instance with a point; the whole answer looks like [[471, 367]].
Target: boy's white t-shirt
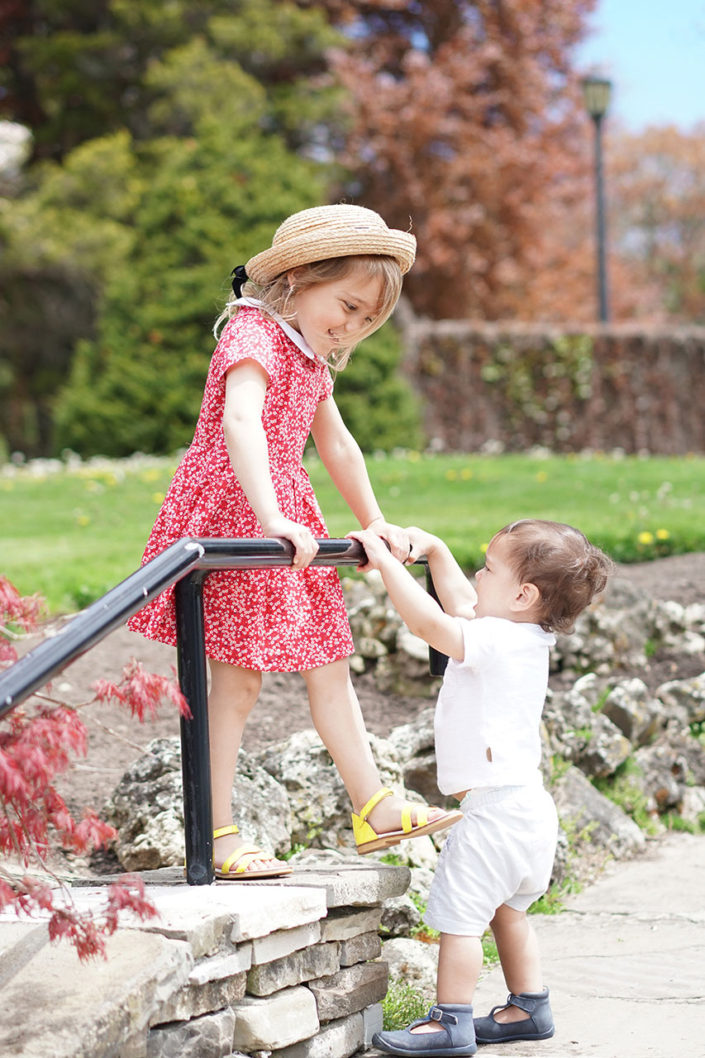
[[489, 707]]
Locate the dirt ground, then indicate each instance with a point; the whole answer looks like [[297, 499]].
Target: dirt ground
[[115, 739]]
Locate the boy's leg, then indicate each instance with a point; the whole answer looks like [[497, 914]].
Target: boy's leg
[[337, 717], [459, 965], [518, 950]]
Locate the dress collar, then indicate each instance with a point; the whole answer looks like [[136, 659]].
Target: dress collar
[[291, 332]]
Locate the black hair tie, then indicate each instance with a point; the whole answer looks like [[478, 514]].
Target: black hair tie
[[239, 278]]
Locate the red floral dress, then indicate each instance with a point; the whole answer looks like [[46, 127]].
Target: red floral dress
[[271, 620]]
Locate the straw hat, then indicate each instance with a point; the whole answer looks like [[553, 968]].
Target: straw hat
[[330, 231]]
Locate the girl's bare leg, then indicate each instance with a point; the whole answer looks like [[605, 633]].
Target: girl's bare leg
[[337, 717], [232, 696], [518, 950]]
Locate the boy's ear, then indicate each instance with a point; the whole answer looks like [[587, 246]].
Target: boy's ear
[[527, 597]]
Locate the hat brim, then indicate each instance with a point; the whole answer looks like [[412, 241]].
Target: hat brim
[[322, 246]]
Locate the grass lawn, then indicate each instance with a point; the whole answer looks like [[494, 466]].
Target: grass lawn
[[71, 533]]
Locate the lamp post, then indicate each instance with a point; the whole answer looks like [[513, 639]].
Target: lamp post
[[596, 93]]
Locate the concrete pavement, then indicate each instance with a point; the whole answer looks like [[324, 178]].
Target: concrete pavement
[[625, 962]]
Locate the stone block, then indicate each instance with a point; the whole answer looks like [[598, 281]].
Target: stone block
[[350, 885], [318, 961], [276, 1021], [359, 949], [68, 1009], [284, 941], [372, 1021], [342, 924], [210, 1036], [337, 1039], [196, 999], [232, 912], [218, 967], [350, 990]]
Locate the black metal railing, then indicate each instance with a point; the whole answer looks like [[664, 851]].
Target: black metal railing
[[186, 564]]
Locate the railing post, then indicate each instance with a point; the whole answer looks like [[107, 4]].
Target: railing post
[[195, 755], [436, 661]]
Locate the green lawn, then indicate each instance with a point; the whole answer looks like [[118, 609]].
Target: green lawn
[[72, 534]]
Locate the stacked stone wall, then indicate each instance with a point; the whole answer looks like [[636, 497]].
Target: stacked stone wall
[[514, 386], [288, 969]]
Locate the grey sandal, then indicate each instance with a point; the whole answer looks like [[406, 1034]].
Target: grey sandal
[[538, 1026], [457, 1038]]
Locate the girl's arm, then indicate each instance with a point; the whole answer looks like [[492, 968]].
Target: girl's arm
[[455, 592], [246, 441], [345, 463], [421, 614]]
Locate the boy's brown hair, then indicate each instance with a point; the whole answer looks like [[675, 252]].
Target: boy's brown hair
[[565, 567]]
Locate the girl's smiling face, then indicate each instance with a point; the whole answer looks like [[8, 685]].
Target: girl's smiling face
[[339, 313]]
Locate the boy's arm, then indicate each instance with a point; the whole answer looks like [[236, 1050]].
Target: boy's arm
[[455, 592], [421, 614]]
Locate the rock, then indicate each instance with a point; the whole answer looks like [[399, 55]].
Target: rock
[[583, 808], [400, 916], [580, 734], [321, 812], [413, 963], [684, 700], [147, 808], [634, 711]]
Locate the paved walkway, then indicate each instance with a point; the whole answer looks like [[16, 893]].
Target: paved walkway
[[625, 963]]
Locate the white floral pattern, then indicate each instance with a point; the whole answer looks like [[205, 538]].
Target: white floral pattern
[[278, 620]]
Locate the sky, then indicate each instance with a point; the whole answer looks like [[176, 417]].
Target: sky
[[654, 53]]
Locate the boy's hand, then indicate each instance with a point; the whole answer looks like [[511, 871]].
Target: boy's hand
[[376, 550], [420, 543], [396, 537]]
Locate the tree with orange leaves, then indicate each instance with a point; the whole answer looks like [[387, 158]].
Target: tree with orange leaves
[[467, 122], [657, 222]]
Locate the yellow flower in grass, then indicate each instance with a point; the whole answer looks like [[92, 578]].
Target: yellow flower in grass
[[542, 476], [158, 497], [466, 473], [83, 520], [645, 538], [662, 534], [451, 475]]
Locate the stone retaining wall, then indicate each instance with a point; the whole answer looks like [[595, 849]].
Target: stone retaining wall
[[516, 385], [287, 968]]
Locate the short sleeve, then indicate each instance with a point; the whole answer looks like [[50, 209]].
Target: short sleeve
[[479, 639], [249, 335], [326, 384]]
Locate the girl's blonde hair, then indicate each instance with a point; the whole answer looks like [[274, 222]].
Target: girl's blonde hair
[[279, 299], [565, 567]]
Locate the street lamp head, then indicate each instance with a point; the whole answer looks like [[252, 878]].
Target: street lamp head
[[596, 93]]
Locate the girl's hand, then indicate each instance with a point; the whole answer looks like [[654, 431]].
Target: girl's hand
[[396, 537], [305, 544]]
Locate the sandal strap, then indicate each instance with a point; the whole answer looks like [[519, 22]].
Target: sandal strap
[[383, 792], [220, 832], [421, 817], [246, 853], [526, 1003]]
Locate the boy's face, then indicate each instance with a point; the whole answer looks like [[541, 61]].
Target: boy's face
[[338, 313], [498, 587]]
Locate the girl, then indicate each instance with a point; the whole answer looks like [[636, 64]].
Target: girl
[[331, 277]]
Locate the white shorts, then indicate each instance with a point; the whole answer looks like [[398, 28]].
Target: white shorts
[[501, 852]]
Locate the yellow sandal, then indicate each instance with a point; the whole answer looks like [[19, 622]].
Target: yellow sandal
[[243, 857], [367, 839]]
